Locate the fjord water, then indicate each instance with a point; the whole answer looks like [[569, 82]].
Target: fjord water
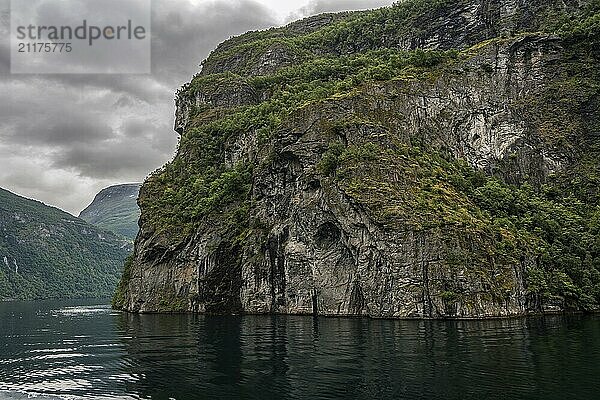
[[84, 350]]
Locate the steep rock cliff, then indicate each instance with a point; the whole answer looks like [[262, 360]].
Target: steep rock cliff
[[431, 159]]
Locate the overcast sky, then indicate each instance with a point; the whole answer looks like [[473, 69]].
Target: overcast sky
[[65, 137]]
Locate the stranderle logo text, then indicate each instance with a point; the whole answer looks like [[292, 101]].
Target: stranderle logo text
[[84, 31]]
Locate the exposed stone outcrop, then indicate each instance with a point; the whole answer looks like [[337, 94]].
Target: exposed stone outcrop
[[315, 248]]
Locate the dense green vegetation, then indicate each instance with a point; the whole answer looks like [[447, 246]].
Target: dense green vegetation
[[47, 253], [384, 28], [551, 228], [193, 186], [356, 32], [115, 209]]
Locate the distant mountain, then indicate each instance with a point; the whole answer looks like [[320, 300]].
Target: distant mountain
[[115, 209], [48, 253]]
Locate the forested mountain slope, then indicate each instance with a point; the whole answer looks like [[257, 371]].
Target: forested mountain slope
[[115, 209], [47, 253]]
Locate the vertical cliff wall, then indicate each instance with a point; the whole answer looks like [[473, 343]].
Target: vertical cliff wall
[[431, 159]]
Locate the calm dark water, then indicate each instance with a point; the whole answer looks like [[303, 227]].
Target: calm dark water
[[84, 350]]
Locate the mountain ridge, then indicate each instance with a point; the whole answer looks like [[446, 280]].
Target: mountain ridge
[[115, 209]]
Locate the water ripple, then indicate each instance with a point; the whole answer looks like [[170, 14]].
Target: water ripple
[[87, 351]]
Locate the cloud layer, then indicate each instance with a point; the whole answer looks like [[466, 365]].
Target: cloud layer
[[323, 6]]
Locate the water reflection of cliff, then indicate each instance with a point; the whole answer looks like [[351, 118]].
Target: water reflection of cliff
[[286, 357]]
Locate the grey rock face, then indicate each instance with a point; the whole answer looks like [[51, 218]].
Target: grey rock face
[[322, 252], [474, 114]]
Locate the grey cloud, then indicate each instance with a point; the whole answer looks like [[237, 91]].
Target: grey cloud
[[129, 158], [30, 179], [124, 101], [4, 16], [30, 176], [76, 130], [184, 35], [136, 127], [321, 6], [125, 55], [145, 88], [4, 59], [47, 131], [4, 37]]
